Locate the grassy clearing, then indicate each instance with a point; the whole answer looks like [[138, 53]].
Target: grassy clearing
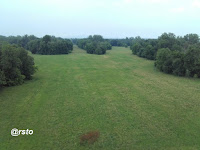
[[132, 105]]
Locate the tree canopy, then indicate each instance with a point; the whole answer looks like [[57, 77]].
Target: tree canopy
[[174, 55], [50, 45], [94, 45], [15, 65], [47, 45]]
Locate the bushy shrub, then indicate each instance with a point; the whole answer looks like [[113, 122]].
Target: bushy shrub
[[162, 56], [178, 63], [50, 46], [34, 46], [90, 48], [192, 61], [145, 49], [121, 42], [15, 65], [94, 45], [174, 55]]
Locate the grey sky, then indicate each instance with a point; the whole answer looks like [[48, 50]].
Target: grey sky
[[110, 18]]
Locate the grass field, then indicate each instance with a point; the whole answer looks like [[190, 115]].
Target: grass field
[[132, 105]]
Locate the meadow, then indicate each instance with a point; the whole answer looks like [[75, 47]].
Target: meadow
[[130, 103]]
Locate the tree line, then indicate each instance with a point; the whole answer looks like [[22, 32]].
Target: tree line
[[121, 42], [94, 45], [47, 45], [21, 41], [15, 65], [173, 55], [113, 42]]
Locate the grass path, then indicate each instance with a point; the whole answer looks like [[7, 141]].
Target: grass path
[[132, 105]]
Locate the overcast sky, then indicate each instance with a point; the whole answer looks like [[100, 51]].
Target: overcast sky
[[110, 18]]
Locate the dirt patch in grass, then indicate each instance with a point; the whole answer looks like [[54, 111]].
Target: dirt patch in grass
[[89, 138]]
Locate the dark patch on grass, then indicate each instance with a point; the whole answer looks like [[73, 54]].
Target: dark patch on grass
[[89, 138]]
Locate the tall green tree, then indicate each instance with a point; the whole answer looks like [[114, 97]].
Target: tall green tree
[[10, 65], [192, 61], [15, 65]]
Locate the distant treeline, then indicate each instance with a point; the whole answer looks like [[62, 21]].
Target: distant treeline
[[15, 65], [174, 55], [94, 44], [113, 42], [121, 42], [48, 45]]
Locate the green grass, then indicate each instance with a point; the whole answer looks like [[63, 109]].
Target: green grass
[[132, 105]]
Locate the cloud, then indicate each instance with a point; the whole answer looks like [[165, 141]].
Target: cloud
[[155, 1], [177, 10], [196, 4], [143, 1], [128, 1]]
